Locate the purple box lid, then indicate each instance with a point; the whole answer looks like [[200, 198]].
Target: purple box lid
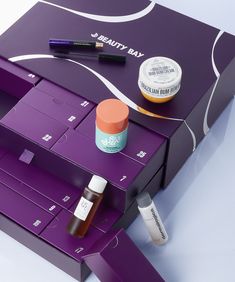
[[56, 234], [15, 80], [41, 181], [23, 211], [54, 107], [116, 258], [34, 125], [29, 193], [83, 105]]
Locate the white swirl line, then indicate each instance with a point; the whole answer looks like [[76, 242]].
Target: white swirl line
[[217, 74], [117, 242], [113, 89], [108, 19], [193, 136]]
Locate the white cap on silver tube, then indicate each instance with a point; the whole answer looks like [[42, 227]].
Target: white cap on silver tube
[[152, 219]]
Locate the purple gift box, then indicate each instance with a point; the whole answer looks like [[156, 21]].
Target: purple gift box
[[47, 124]]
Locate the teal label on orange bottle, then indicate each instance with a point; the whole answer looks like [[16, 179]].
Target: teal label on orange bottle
[[111, 143], [111, 125]]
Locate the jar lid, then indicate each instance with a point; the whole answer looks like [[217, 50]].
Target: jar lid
[[112, 116], [160, 77]]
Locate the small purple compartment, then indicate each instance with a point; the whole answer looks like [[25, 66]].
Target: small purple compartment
[[42, 182], [34, 125], [23, 211], [56, 234], [29, 193], [54, 107], [15, 80], [116, 258], [83, 105]]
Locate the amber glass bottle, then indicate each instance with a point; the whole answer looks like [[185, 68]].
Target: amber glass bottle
[[87, 206]]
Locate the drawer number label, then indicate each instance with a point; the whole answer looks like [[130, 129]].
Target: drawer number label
[[123, 178]]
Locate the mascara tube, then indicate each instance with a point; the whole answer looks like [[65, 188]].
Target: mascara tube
[[73, 45], [152, 219]]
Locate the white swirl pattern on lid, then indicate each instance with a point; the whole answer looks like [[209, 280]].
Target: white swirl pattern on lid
[[217, 74], [108, 19]]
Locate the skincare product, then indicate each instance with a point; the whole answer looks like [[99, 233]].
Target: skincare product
[[111, 125], [152, 219], [159, 79], [87, 206]]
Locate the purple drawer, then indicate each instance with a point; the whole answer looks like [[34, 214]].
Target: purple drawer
[[42, 182], [105, 217], [83, 105], [57, 235], [54, 107], [22, 211], [29, 193], [142, 144], [16, 81], [116, 258], [116, 168], [34, 125], [2, 152]]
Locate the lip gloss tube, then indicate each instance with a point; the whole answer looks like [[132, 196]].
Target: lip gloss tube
[[72, 45], [152, 219]]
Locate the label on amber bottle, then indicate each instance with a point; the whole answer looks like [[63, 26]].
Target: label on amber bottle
[[83, 208]]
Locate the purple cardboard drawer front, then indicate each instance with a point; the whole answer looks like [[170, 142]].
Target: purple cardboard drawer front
[[15, 80], [105, 217], [54, 107], [44, 183], [116, 258], [81, 150], [22, 211], [142, 144], [2, 152], [29, 193], [34, 125], [83, 105], [56, 234]]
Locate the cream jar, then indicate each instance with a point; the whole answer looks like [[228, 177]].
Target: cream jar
[[111, 125], [159, 79]]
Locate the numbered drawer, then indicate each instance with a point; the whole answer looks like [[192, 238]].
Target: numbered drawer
[[29, 193], [105, 217], [84, 106], [56, 234], [57, 190], [142, 144], [54, 107], [16, 81], [22, 211], [34, 125], [81, 150]]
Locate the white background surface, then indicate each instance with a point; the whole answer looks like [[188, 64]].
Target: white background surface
[[198, 207]]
